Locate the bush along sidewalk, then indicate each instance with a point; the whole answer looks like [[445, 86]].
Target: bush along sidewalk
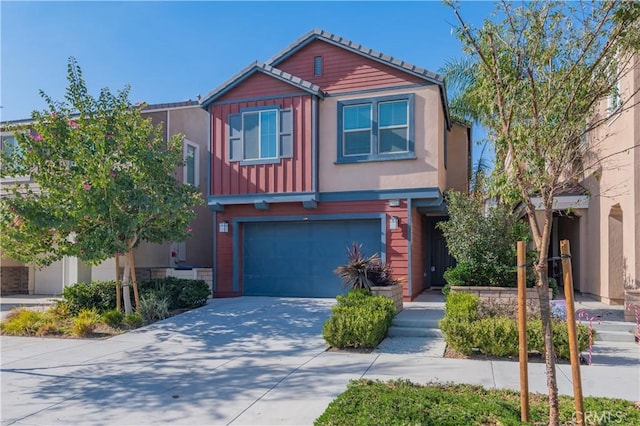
[[467, 329], [401, 402], [359, 320], [87, 309]]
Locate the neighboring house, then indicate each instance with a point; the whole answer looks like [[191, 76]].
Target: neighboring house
[[186, 118], [326, 144], [600, 215]]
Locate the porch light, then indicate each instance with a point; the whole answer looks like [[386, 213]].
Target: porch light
[[394, 203], [393, 223], [223, 226]]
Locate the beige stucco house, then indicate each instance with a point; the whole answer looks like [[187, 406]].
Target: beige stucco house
[[185, 118], [601, 215]]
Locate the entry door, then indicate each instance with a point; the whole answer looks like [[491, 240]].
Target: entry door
[[438, 257]]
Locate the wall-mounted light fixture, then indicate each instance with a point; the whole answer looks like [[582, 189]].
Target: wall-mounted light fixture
[[393, 222], [394, 203], [223, 226]]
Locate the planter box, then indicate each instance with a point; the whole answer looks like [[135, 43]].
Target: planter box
[[631, 297], [502, 295], [393, 292]]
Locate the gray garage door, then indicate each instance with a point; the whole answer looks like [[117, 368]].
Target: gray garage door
[[298, 258]]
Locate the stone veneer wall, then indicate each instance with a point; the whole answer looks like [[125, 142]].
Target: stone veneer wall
[[14, 280], [393, 292], [204, 274], [502, 295]]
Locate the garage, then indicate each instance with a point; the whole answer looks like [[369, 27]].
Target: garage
[[297, 259]]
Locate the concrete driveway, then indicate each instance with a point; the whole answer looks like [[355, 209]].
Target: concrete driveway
[[241, 361], [216, 365]]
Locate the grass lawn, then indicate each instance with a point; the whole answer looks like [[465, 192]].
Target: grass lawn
[[367, 402]]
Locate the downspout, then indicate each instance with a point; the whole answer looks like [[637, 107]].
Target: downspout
[[214, 263], [314, 146], [409, 248]]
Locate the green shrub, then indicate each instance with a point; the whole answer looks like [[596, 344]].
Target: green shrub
[[60, 310], [194, 294], [23, 322], [85, 322], [133, 320], [153, 308], [113, 318], [499, 336], [400, 402], [462, 306], [358, 321], [180, 293], [98, 295]]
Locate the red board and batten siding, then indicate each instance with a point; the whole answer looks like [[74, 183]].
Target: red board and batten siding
[[342, 70], [289, 175], [417, 253], [396, 241]]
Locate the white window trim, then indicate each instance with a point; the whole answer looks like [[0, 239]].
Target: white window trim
[[196, 162], [277, 126]]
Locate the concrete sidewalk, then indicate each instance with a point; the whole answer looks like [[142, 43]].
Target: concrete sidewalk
[[248, 360]]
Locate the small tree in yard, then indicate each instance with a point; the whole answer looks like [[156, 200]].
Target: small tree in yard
[[101, 183], [535, 77]]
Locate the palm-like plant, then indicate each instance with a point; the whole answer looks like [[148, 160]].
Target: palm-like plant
[[362, 272]]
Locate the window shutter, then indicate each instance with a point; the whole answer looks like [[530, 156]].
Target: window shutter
[[286, 133], [235, 137]]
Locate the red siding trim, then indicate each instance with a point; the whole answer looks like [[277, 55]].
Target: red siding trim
[[396, 241], [342, 70], [289, 175], [258, 85], [417, 253]]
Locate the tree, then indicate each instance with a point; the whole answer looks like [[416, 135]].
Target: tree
[[535, 77], [101, 182]]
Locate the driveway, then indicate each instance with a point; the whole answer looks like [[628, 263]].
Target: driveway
[[240, 361], [214, 365]]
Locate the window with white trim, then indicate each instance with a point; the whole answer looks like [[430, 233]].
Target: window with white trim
[[191, 157], [11, 150], [376, 129], [613, 100]]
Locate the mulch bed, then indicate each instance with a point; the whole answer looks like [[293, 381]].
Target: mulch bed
[[534, 357]]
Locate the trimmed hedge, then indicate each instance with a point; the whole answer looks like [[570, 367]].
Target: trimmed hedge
[[498, 335], [101, 295], [359, 320]]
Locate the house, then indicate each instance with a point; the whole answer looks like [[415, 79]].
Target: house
[[186, 118], [325, 144], [600, 216]]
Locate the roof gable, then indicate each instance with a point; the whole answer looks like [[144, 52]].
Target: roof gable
[[259, 67], [366, 52]]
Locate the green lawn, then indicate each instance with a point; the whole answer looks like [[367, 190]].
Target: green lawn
[[367, 402]]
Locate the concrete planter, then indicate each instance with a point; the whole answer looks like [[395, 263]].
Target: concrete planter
[[393, 292], [631, 297]]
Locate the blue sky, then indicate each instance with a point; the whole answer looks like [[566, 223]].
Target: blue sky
[[173, 51]]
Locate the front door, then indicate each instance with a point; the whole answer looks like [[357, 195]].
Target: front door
[[437, 254]]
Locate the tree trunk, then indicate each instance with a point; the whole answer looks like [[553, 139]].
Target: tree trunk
[[125, 284], [132, 265], [118, 295], [542, 284]]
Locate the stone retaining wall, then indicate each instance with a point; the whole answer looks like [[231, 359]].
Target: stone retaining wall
[[503, 295], [393, 292]]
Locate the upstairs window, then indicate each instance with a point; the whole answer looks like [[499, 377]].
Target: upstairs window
[[191, 171], [261, 135], [11, 151], [376, 129]]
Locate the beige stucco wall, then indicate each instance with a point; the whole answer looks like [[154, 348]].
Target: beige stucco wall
[[457, 158], [612, 179], [419, 173]]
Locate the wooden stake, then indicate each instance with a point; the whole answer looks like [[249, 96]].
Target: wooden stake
[[522, 332], [118, 295], [565, 252]]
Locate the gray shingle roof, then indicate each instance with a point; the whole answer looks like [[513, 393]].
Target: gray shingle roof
[[265, 69], [336, 40], [357, 48]]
